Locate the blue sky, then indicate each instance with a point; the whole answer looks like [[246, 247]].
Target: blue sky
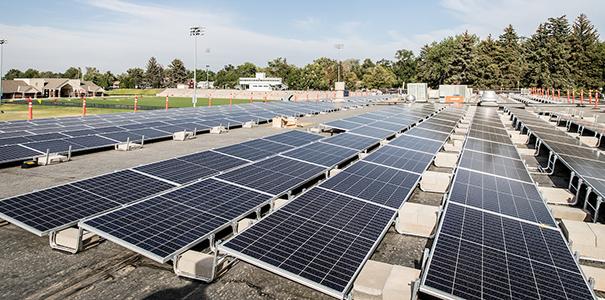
[[118, 34]]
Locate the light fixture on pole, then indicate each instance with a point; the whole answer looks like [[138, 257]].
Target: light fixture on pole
[[195, 32], [2, 42], [339, 47]]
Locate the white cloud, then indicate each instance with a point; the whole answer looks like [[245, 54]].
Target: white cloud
[[308, 23]]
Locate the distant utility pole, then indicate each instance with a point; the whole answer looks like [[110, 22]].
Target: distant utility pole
[[2, 42], [195, 32], [339, 47]]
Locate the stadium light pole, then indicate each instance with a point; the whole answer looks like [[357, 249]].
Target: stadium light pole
[[195, 32], [2, 42], [207, 83], [339, 47]]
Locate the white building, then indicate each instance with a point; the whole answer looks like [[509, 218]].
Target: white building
[[261, 83]]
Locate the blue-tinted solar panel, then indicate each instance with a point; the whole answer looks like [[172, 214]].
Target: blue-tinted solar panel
[[489, 137], [497, 165], [177, 170], [343, 124], [416, 143], [352, 141], [54, 146], [374, 183], [373, 132], [320, 239], [294, 138], [12, 153], [400, 158], [321, 153], [492, 148], [428, 134], [48, 209], [275, 175], [479, 255], [214, 160], [91, 141], [46, 137], [123, 186], [13, 140], [266, 145], [162, 226], [508, 197], [434, 125], [494, 130]]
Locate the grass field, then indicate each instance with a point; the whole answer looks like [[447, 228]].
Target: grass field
[[132, 92], [19, 112]]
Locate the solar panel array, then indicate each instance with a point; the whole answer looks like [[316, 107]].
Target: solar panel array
[[63, 206], [497, 239], [21, 140], [323, 237], [266, 179], [585, 162]]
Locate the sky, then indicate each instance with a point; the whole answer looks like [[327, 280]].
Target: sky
[[116, 35]]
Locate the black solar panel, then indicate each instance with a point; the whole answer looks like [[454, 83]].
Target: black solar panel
[[432, 125], [392, 125], [275, 175], [343, 124], [479, 255], [495, 130], [352, 141], [54, 146], [584, 167], [91, 141], [497, 165], [321, 153], [400, 158], [489, 137], [374, 183], [320, 239], [177, 170], [255, 149], [213, 160], [500, 195], [416, 143]]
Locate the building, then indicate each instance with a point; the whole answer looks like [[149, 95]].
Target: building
[[261, 83], [49, 88]]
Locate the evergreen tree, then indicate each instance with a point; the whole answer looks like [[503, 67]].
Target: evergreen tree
[[538, 71], [154, 75], [510, 58], [176, 73], [434, 62], [460, 72], [405, 66], [485, 71], [559, 52], [587, 64]]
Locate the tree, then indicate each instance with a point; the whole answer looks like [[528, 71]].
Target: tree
[[92, 74], [133, 78], [404, 66], [510, 58], [176, 73], [379, 77], [460, 69], [290, 74], [31, 73], [587, 64], [226, 77], [485, 71], [72, 73], [154, 74], [105, 80], [12, 74], [434, 62]]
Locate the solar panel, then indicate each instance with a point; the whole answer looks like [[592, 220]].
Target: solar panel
[[177, 170], [45, 210], [320, 239], [321, 153], [500, 195], [242, 150], [54, 146], [45, 137], [479, 255], [584, 167], [497, 165], [352, 141], [495, 130], [294, 138], [373, 132], [492, 148], [576, 151], [431, 125], [13, 140], [91, 141], [123, 186], [390, 125], [342, 124], [374, 183], [213, 160], [489, 137], [416, 143], [12, 153], [275, 175], [162, 226], [404, 159], [428, 134]]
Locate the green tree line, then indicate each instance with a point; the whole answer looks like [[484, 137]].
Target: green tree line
[[559, 54]]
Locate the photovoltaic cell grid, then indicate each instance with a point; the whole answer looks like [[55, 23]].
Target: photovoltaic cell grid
[[320, 238], [416, 143], [404, 159], [322, 153], [500, 195], [480, 255], [46, 210], [162, 226], [497, 165], [275, 175], [492, 148], [352, 141], [374, 183]]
